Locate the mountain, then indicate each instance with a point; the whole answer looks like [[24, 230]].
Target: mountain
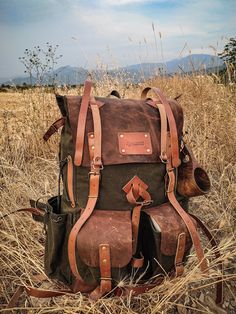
[[135, 73]]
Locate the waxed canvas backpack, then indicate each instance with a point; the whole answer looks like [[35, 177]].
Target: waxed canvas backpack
[[123, 213]]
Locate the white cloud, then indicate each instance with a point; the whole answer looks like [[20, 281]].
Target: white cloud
[[123, 2]]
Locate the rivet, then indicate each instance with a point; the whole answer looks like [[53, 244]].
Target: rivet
[[92, 147], [103, 247], [148, 150], [145, 135], [121, 135], [104, 260], [123, 150], [92, 135]]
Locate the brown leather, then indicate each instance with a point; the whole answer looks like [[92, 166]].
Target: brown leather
[[91, 145], [219, 281], [173, 162], [106, 226], [144, 118], [105, 268], [80, 133], [32, 210], [97, 159], [192, 179], [161, 108], [171, 226], [92, 200], [135, 143], [172, 123], [54, 128], [70, 181], [94, 179], [136, 189], [186, 218], [180, 250], [137, 262]]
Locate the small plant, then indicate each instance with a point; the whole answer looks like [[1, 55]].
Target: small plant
[[40, 64]]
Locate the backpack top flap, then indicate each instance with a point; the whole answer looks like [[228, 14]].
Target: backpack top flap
[[131, 129], [106, 227], [170, 225]]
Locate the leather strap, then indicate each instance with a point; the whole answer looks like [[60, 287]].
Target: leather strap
[[31, 210], [180, 250], [173, 162], [186, 218], [136, 189], [54, 128], [79, 145], [94, 180], [172, 125], [137, 262], [161, 108], [219, 281], [105, 271], [70, 181]]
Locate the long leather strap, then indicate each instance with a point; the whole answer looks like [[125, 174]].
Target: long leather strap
[[94, 179], [161, 108], [79, 145], [172, 125], [70, 181], [173, 162], [219, 281]]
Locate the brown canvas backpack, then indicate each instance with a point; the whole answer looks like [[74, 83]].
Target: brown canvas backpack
[[122, 221]]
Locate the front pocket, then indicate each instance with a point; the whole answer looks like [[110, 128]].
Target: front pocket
[[161, 227]]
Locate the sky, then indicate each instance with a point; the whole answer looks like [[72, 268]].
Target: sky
[[113, 33]]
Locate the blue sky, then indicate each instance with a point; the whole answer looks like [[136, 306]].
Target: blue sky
[[113, 32]]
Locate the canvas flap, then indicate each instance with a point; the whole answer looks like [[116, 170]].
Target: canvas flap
[[131, 129], [170, 224], [106, 227]]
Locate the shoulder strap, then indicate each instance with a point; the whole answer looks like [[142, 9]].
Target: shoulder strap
[[79, 145]]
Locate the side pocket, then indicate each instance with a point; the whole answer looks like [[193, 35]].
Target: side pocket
[[58, 227]]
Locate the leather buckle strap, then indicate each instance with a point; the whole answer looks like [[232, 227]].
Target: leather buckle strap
[[94, 180], [179, 266], [219, 281], [171, 121]]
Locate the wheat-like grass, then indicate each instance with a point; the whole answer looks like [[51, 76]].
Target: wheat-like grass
[[28, 169]]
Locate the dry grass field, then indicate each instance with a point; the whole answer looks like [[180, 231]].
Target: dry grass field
[[29, 169]]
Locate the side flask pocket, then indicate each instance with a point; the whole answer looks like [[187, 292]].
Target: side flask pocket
[[58, 227]]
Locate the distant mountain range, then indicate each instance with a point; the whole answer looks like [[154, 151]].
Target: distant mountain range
[[134, 73]]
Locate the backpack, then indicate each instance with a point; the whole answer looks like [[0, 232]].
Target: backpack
[[121, 223]]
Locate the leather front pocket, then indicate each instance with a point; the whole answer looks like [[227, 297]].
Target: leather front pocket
[[106, 227]]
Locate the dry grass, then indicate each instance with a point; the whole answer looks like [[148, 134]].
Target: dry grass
[[28, 169]]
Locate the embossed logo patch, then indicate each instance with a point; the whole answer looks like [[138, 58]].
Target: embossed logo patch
[[135, 143]]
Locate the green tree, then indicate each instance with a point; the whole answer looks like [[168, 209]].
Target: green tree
[[229, 57]]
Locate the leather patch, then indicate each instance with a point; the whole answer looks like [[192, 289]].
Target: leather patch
[[135, 143], [106, 226]]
